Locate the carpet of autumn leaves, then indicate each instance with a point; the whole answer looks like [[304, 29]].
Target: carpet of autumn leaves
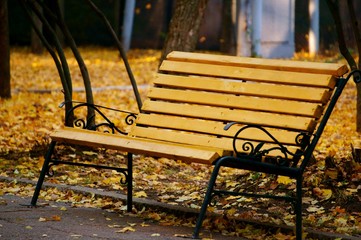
[[332, 183]]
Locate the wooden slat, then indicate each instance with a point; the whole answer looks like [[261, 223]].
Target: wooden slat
[[237, 102], [203, 140], [137, 145], [212, 128], [227, 115], [335, 69], [250, 74], [243, 88]]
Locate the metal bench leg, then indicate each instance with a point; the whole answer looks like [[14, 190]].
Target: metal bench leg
[[43, 172], [298, 209], [206, 201], [130, 182]]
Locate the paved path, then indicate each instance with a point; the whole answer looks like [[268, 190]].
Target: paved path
[[61, 221]]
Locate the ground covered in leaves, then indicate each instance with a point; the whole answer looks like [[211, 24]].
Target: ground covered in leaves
[[332, 183]]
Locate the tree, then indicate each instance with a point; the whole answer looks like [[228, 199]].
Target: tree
[[228, 35], [36, 45], [334, 8], [184, 26], [5, 90]]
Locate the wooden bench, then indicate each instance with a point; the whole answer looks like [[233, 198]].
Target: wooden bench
[[256, 114]]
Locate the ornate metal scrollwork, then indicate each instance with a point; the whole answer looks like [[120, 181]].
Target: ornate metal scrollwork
[[107, 124], [213, 198], [49, 171], [123, 180], [258, 153]]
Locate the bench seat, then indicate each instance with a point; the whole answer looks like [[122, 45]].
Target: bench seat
[[188, 153]]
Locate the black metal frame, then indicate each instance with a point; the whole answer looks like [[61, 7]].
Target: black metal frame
[[286, 165], [49, 161]]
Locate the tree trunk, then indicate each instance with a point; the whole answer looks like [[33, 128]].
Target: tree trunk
[[357, 35], [5, 90], [36, 44], [184, 26], [334, 8], [228, 38]]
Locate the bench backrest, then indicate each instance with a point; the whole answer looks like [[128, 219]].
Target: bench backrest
[[195, 95]]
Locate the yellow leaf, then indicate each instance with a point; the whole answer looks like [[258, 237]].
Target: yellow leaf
[[140, 194], [331, 173], [183, 198], [341, 221], [154, 216], [126, 229], [231, 211], [89, 153], [284, 180], [315, 209], [184, 236], [144, 224], [40, 162], [326, 194]]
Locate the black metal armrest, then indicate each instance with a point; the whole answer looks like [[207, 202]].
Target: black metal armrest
[[356, 75], [256, 151], [92, 122]]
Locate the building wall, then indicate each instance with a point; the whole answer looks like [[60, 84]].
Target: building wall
[[153, 16], [277, 28]]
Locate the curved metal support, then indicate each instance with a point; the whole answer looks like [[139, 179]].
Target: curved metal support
[[356, 76], [256, 151], [81, 123]]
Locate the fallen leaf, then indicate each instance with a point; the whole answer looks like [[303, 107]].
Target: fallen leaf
[[315, 209], [140, 194], [284, 180], [183, 198], [126, 229], [144, 224], [326, 194], [55, 218], [89, 153]]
